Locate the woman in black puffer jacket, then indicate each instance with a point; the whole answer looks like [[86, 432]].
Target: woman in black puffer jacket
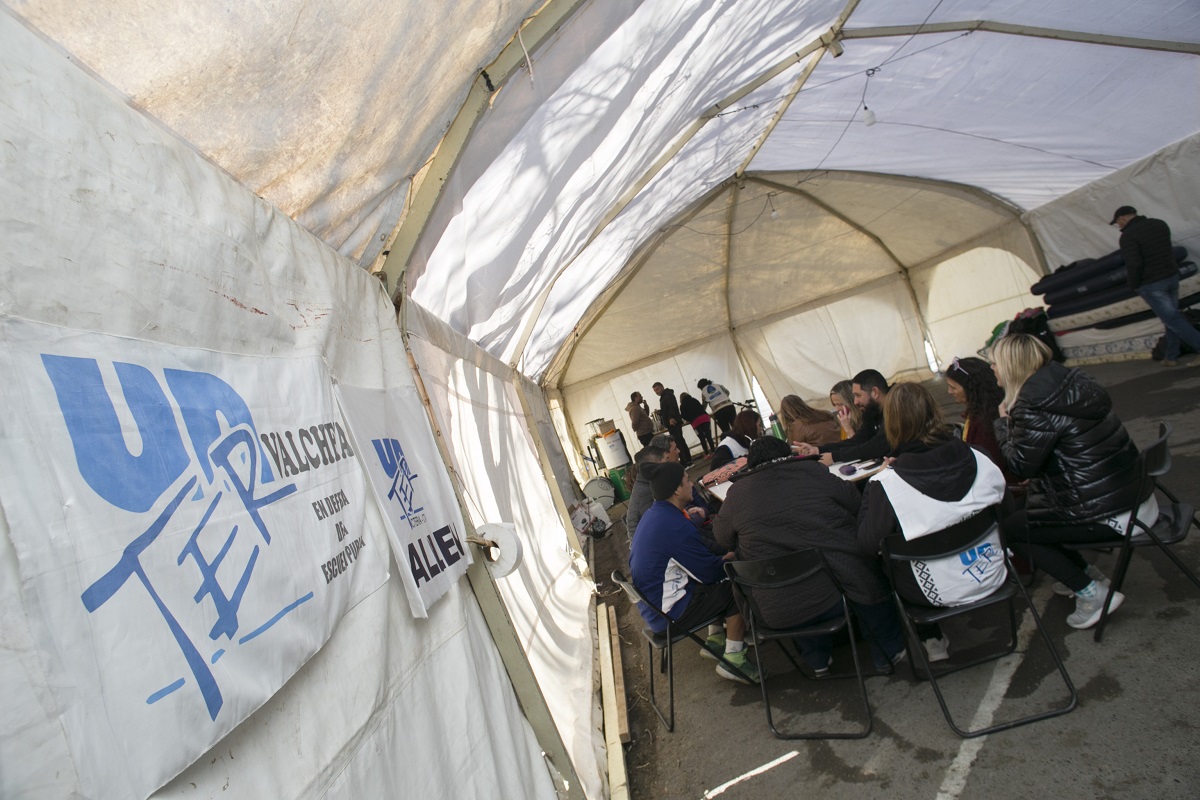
[[1058, 429]]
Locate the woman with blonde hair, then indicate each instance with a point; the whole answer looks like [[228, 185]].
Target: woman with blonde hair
[[849, 417], [803, 423], [1058, 429], [935, 480]]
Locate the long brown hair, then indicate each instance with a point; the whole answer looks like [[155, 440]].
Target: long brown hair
[[910, 413], [792, 408]]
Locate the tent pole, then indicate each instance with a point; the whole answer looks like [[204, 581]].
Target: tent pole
[[495, 615], [551, 479]]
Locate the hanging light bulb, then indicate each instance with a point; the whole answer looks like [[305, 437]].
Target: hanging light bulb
[[868, 116], [771, 202]]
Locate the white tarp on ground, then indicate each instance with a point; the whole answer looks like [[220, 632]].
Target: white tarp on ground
[[117, 233]]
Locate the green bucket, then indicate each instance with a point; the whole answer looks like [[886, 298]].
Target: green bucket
[[616, 476]]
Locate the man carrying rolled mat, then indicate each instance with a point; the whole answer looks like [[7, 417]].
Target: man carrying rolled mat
[[1154, 275]]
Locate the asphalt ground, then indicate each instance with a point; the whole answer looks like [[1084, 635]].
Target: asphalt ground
[[1134, 734]]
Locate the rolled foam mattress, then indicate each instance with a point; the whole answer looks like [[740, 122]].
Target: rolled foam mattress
[[1120, 350], [1088, 317], [1088, 337], [1085, 270]]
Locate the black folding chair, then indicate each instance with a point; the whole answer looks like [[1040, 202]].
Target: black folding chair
[[807, 565], [972, 532], [1171, 527], [663, 643]]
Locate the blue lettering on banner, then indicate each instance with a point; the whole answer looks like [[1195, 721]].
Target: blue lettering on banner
[[395, 465], [977, 560], [228, 467]]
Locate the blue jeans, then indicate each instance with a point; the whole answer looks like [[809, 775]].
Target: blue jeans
[[882, 628], [1163, 299]]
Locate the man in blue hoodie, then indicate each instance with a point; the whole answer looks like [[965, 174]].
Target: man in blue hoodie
[[673, 570]]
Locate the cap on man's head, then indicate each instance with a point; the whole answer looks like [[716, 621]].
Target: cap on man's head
[[664, 478], [1122, 211]]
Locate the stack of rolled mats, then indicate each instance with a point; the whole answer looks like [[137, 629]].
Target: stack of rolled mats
[[1097, 317]]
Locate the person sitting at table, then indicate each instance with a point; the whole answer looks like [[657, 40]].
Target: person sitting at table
[[933, 481], [694, 413], [781, 504], [747, 426], [841, 397], [803, 423], [671, 567], [869, 441], [1058, 429], [640, 496], [970, 381]]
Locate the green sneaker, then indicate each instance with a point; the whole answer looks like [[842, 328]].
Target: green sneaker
[[714, 647], [746, 671]]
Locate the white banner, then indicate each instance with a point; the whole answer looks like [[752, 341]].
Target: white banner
[[190, 526], [393, 438]]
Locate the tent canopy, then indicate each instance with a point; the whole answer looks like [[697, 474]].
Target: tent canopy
[[581, 132]]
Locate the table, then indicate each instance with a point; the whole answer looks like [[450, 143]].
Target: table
[[863, 469]]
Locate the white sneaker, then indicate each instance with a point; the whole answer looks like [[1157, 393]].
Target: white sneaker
[[937, 649], [1093, 572], [1088, 609]]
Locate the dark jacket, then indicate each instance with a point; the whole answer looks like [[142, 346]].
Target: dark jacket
[[1146, 247], [690, 408], [945, 472], [782, 507], [1062, 434], [666, 561], [668, 408], [869, 441]]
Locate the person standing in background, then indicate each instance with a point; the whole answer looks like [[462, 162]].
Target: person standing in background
[[672, 420], [639, 417], [1154, 275], [719, 403], [693, 411]]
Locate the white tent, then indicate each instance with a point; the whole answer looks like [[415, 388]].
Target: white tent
[[569, 200]]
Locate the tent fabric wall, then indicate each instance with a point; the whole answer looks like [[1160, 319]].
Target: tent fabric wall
[[965, 296], [1165, 185], [268, 93], [807, 353], [495, 460], [606, 398], [114, 226]]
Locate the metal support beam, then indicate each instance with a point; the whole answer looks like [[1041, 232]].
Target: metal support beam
[[989, 26], [424, 198]]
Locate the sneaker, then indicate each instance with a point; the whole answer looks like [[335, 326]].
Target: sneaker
[[746, 671], [1088, 609], [887, 667], [937, 649], [823, 672], [714, 647], [1093, 572]]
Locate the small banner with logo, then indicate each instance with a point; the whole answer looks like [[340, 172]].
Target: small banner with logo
[[189, 525], [395, 443]]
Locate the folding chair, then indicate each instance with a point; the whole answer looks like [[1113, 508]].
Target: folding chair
[[663, 643], [971, 532], [777, 573], [1174, 521]]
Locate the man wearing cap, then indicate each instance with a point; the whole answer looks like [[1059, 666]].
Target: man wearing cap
[[1154, 275], [673, 570]]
